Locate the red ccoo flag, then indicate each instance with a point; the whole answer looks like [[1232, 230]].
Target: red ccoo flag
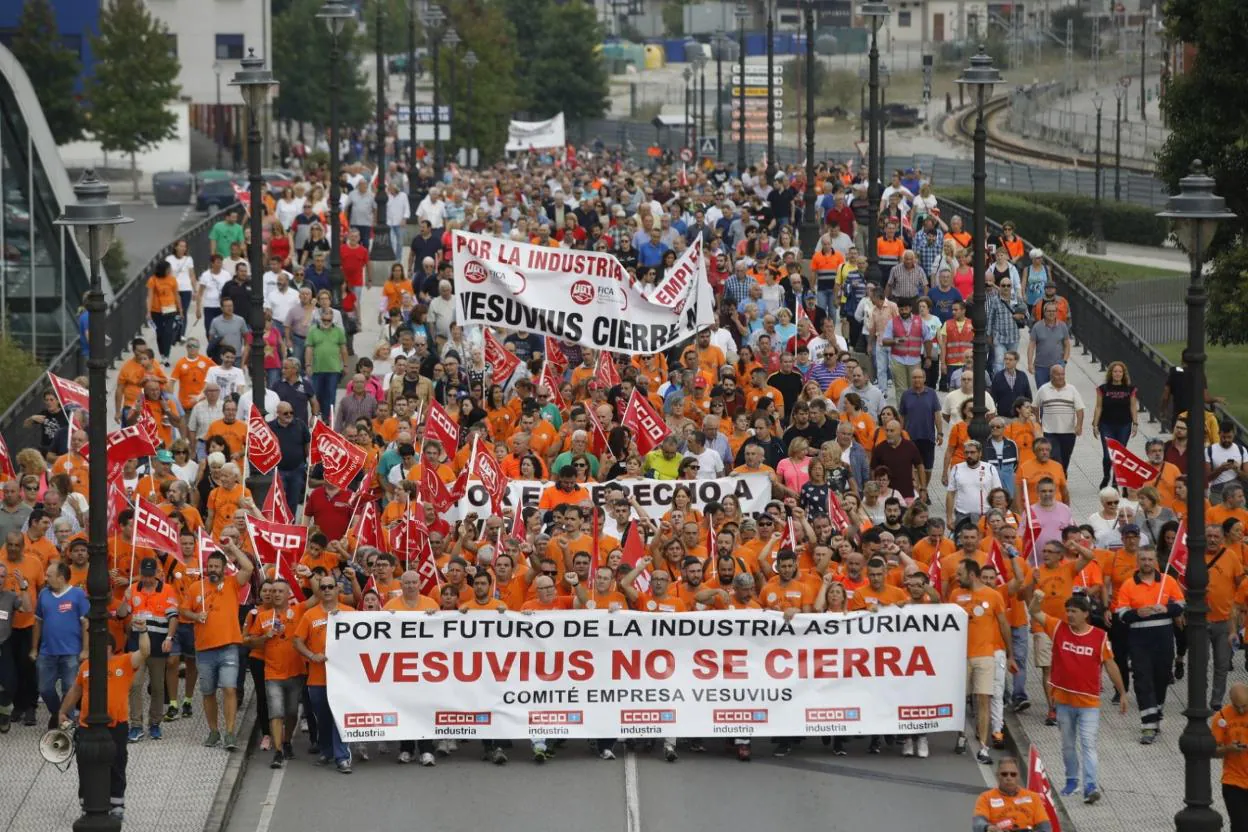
[[70, 393], [286, 572], [147, 423], [439, 426], [153, 528], [1177, 564], [340, 460], [124, 444], [263, 451], [836, 512], [502, 362], [1038, 782], [1129, 470], [272, 540], [647, 426], [369, 533], [276, 506]]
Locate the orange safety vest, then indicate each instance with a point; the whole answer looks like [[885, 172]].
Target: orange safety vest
[[907, 337], [958, 342]]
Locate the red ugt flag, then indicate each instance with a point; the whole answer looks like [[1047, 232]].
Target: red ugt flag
[[340, 459], [440, 426], [555, 355], [605, 372], [276, 506], [70, 393], [433, 490], [263, 451], [486, 468], [503, 363], [1129, 470], [647, 426], [369, 533], [1038, 782], [153, 528], [273, 541]]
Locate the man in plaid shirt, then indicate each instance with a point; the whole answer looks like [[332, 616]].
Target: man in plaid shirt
[[928, 243], [737, 287]]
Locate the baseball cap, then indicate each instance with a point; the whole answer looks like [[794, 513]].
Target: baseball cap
[[164, 455], [147, 567], [1129, 528]]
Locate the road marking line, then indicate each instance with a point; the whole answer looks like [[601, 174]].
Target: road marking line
[[632, 802], [270, 801]]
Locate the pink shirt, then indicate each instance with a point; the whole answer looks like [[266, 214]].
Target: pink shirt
[[793, 475]]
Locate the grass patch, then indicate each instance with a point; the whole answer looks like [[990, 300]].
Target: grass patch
[[1225, 370], [1124, 272]]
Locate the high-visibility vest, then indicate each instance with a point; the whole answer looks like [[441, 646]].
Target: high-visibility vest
[[907, 337], [958, 342], [1077, 660]]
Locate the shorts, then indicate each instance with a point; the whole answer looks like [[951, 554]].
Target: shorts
[[218, 668], [1041, 650], [980, 672], [283, 696], [184, 641]]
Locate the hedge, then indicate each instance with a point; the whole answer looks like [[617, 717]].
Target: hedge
[[1037, 224], [1123, 222]]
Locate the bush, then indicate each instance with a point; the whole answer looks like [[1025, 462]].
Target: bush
[[115, 265], [1036, 223], [1123, 222], [19, 370]]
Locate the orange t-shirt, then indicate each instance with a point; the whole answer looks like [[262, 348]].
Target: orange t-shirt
[[983, 632], [867, 598], [780, 596], [223, 502], [646, 602], [163, 295], [1030, 473], [234, 434], [1229, 726], [130, 379], [490, 604], [423, 604], [1226, 572], [1022, 810], [311, 631], [191, 374], [1057, 583], [281, 660], [120, 675], [561, 602], [221, 604]]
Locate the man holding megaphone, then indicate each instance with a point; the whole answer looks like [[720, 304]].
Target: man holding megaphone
[[121, 670]]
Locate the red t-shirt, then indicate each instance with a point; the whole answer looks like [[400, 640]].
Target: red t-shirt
[[354, 259], [331, 514], [279, 246]]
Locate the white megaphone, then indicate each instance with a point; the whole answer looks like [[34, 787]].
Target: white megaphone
[[57, 747]]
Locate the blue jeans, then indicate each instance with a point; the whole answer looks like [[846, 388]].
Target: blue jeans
[[998, 357], [1121, 433], [325, 722], [881, 365], [1021, 638], [53, 669], [325, 385], [1086, 721], [827, 302], [272, 375], [396, 238]]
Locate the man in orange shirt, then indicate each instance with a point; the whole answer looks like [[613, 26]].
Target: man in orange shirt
[[1230, 732], [877, 593], [191, 374], [230, 428], [1032, 471], [284, 668], [987, 632], [1226, 573], [786, 590], [482, 597], [310, 638], [1148, 603], [74, 463], [1009, 805]]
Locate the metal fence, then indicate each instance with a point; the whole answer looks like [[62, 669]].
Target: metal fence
[[1106, 336], [1135, 188], [126, 316], [1040, 117], [1156, 309]]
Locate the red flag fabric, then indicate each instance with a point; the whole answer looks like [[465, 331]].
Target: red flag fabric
[[1178, 555], [598, 441], [934, 576], [125, 444], [836, 512], [501, 361], [633, 550], [276, 506], [6, 462], [340, 459], [439, 426], [1028, 531], [459, 487], [1038, 782], [550, 381], [411, 540], [605, 371], [648, 428], [1129, 470], [117, 503], [486, 468], [555, 355], [517, 523], [153, 528], [263, 451], [286, 571], [433, 490], [996, 559], [369, 533], [147, 423], [271, 540], [70, 393]]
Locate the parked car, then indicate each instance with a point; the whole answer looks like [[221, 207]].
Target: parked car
[[173, 187], [215, 195]]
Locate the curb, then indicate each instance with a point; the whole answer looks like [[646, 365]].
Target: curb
[[1017, 742], [232, 779]]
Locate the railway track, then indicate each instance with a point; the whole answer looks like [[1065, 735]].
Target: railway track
[[1016, 150]]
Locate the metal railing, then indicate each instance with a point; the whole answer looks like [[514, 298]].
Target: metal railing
[[1105, 335], [1042, 117], [1154, 308], [126, 316]]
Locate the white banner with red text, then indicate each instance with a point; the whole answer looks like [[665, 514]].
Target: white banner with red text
[[484, 675], [585, 297], [752, 492]]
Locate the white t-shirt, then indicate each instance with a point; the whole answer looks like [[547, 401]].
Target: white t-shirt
[[231, 381], [212, 284], [711, 464], [1215, 455], [271, 401], [819, 345], [281, 303], [184, 270], [971, 486]]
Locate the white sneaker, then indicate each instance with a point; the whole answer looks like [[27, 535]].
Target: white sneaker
[[443, 748], [606, 754], [922, 748], [405, 757], [452, 745], [907, 747], [427, 760]]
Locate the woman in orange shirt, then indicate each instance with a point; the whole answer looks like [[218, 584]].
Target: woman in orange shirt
[[864, 426], [1023, 430], [958, 434], [164, 306]]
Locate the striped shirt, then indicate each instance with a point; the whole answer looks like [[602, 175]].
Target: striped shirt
[[1058, 407]]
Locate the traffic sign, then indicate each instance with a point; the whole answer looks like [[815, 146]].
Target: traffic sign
[[686, 154], [758, 92], [752, 72], [708, 146]]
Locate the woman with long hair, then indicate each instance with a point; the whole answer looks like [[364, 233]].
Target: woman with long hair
[[1117, 413]]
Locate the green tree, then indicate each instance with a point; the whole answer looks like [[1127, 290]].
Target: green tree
[[1207, 110], [52, 70], [394, 14], [302, 67], [568, 61], [135, 80], [484, 29]]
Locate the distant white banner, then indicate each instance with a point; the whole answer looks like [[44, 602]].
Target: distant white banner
[[535, 135], [585, 297], [752, 492]]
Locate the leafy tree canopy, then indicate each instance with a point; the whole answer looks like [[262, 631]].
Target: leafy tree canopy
[[52, 69], [302, 67]]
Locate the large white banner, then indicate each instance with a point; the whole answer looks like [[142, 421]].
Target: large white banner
[[403, 676], [535, 135], [585, 297], [753, 492]]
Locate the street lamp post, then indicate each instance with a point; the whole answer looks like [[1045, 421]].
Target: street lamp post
[[255, 82], [720, 41], [411, 101], [1097, 244], [381, 249], [335, 14], [743, 14], [771, 90], [217, 121], [1120, 92], [876, 12], [434, 17], [809, 235], [451, 40], [687, 74], [94, 219], [700, 64], [980, 77], [470, 60], [1195, 212], [882, 120]]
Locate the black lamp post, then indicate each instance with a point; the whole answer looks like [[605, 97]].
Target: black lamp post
[[255, 82], [381, 249], [1195, 212], [883, 75], [94, 219], [471, 61], [876, 12], [450, 39], [411, 101], [743, 14], [687, 138], [980, 77], [809, 235], [218, 133], [1097, 244], [335, 14], [434, 17], [699, 66], [720, 42], [771, 90], [1120, 93]]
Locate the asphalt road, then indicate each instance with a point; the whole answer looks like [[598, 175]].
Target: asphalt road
[[711, 792]]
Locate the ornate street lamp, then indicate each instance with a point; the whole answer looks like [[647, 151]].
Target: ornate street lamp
[[335, 14], [810, 212], [434, 17], [471, 61], [876, 12], [94, 220]]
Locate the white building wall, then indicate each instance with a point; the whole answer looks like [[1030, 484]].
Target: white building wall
[[201, 27]]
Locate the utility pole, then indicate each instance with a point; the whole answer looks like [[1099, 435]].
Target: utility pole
[[1143, 61]]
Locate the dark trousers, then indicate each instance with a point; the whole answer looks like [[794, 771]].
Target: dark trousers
[[166, 324], [1236, 800], [210, 315], [256, 666], [325, 386], [1119, 433], [1063, 447], [1119, 641], [414, 746], [117, 771], [293, 482], [26, 687], [186, 310], [8, 677], [1152, 659]]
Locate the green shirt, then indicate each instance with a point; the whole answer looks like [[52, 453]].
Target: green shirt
[[565, 458], [664, 469], [326, 346], [223, 234]]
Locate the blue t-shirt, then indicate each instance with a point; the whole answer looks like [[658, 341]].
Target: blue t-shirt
[[61, 616], [918, 413], [942, 301]]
